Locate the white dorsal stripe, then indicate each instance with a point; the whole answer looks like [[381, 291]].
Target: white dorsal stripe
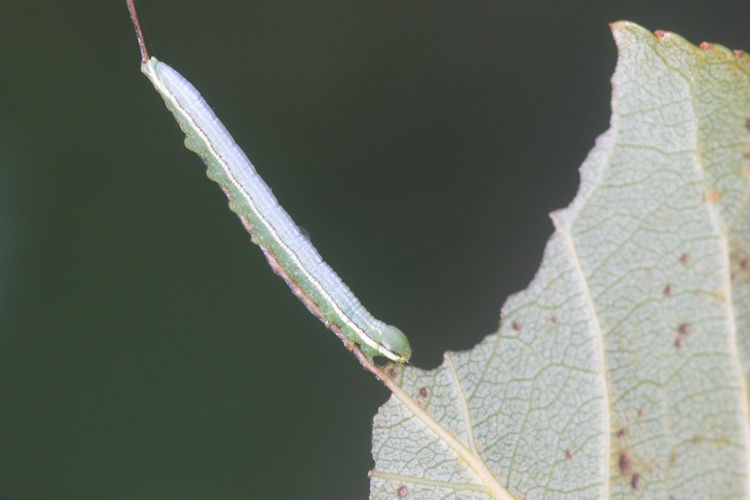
[[289, 247]]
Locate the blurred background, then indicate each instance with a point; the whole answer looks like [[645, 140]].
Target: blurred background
[[146, 349]]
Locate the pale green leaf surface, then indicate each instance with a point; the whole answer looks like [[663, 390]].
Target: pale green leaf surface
[[621, 370]]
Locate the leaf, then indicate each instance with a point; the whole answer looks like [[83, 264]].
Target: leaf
[[622, 369]]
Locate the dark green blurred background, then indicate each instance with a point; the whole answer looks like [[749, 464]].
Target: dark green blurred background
[[146, 349]]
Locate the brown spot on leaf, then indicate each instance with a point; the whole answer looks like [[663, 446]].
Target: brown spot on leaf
[[568, 453], [622, 432], [424, 392], [685, 258], [739, 265], [553, 320], [678, 342], [739, 53], [712, 196], [684, 328], [668, 290], [402, 491], [706, 45], [660, 34], [392, 372], [516, 326], [635, 481], [624, 463]]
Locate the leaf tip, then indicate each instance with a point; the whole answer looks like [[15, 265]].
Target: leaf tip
[[622, 26], [627, 32]]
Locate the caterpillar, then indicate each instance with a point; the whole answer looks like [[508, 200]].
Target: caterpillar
[[289, 252]]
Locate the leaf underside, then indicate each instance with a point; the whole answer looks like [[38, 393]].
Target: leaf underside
[[621, 370]]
